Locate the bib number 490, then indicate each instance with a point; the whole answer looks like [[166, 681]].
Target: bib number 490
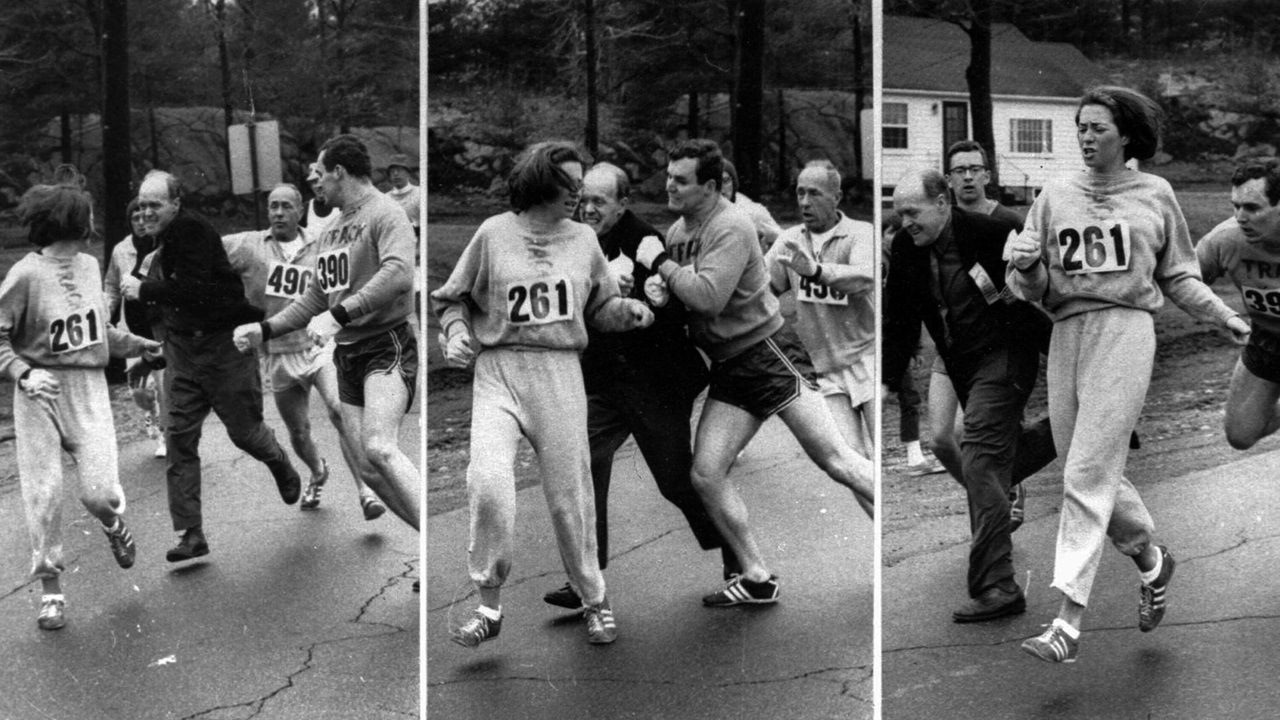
[[74, 331], [538, 302], [1094, 248], [287, 281]]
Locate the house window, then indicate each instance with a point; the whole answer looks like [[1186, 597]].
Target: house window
[[894, 125], [1031, 136]]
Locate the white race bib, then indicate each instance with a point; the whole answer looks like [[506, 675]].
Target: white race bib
[[819, 294], [1262, 301], [1095, 248], [333, 270], [540, 301], [76, 330], [285, 280]]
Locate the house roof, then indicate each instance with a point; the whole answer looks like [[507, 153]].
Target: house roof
[[931, 54]]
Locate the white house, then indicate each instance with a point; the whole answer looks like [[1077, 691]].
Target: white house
[[1034, 90]]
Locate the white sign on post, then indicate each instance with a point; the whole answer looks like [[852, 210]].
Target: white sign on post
[[266, 144]]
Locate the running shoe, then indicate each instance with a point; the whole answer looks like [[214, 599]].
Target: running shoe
[[925, 467], [1053, 645], [311, 496], [51, 615], [565, 597], [741, 591], [121, 543], [1151, 598], [161, 449], [1017, 506], [476, 630], [601, 628], [372, 507]]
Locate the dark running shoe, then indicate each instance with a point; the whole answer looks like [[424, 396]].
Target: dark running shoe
[[311, 496], [564, 597], [121, 543], [741, 591], [1151, 598]]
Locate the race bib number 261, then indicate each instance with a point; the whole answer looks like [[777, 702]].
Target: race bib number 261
[[1096, 248], [540, 301], [75, 331]]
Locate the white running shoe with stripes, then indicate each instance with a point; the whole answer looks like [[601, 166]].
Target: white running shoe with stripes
[[1054, 645]]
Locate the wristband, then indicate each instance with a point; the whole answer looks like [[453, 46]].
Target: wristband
[[1029, 269], [340, 314], [661, 258], [266, 330]]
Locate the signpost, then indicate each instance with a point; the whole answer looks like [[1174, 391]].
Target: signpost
[[255, 160]]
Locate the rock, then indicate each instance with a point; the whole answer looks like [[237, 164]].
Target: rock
[[1260, 150]]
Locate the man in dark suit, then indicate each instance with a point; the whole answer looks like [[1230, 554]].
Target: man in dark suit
[[947, 272], [640, 383]]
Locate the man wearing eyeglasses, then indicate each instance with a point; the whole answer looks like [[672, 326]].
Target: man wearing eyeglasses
[[968, 174]]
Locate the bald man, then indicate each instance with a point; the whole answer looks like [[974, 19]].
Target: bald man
[[201, 299], [640, 383], [276, 267], [829, 261], [948, 273]]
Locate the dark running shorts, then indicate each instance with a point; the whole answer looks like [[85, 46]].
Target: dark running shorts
[[766, 377], [394, 351], [1262, 356]]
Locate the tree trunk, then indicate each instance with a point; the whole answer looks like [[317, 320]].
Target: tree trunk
[[978, 75], [748, 121], [784, 169], [859, 93], [593, 119], [64, 135], [693, 113], [1126, 23], [224, 65], [116, 145]]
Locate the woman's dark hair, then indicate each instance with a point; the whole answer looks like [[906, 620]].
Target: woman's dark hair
[[537, 176], [57, 212], [733, 176], [1136, 116]]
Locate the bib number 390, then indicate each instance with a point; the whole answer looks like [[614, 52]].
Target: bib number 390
[[540, 301], [1262, 301], [333, 270], [74, 331], [1095, 248]]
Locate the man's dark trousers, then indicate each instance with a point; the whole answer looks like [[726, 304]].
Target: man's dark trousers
[[996, 452], [207, 372], [657, 415]]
